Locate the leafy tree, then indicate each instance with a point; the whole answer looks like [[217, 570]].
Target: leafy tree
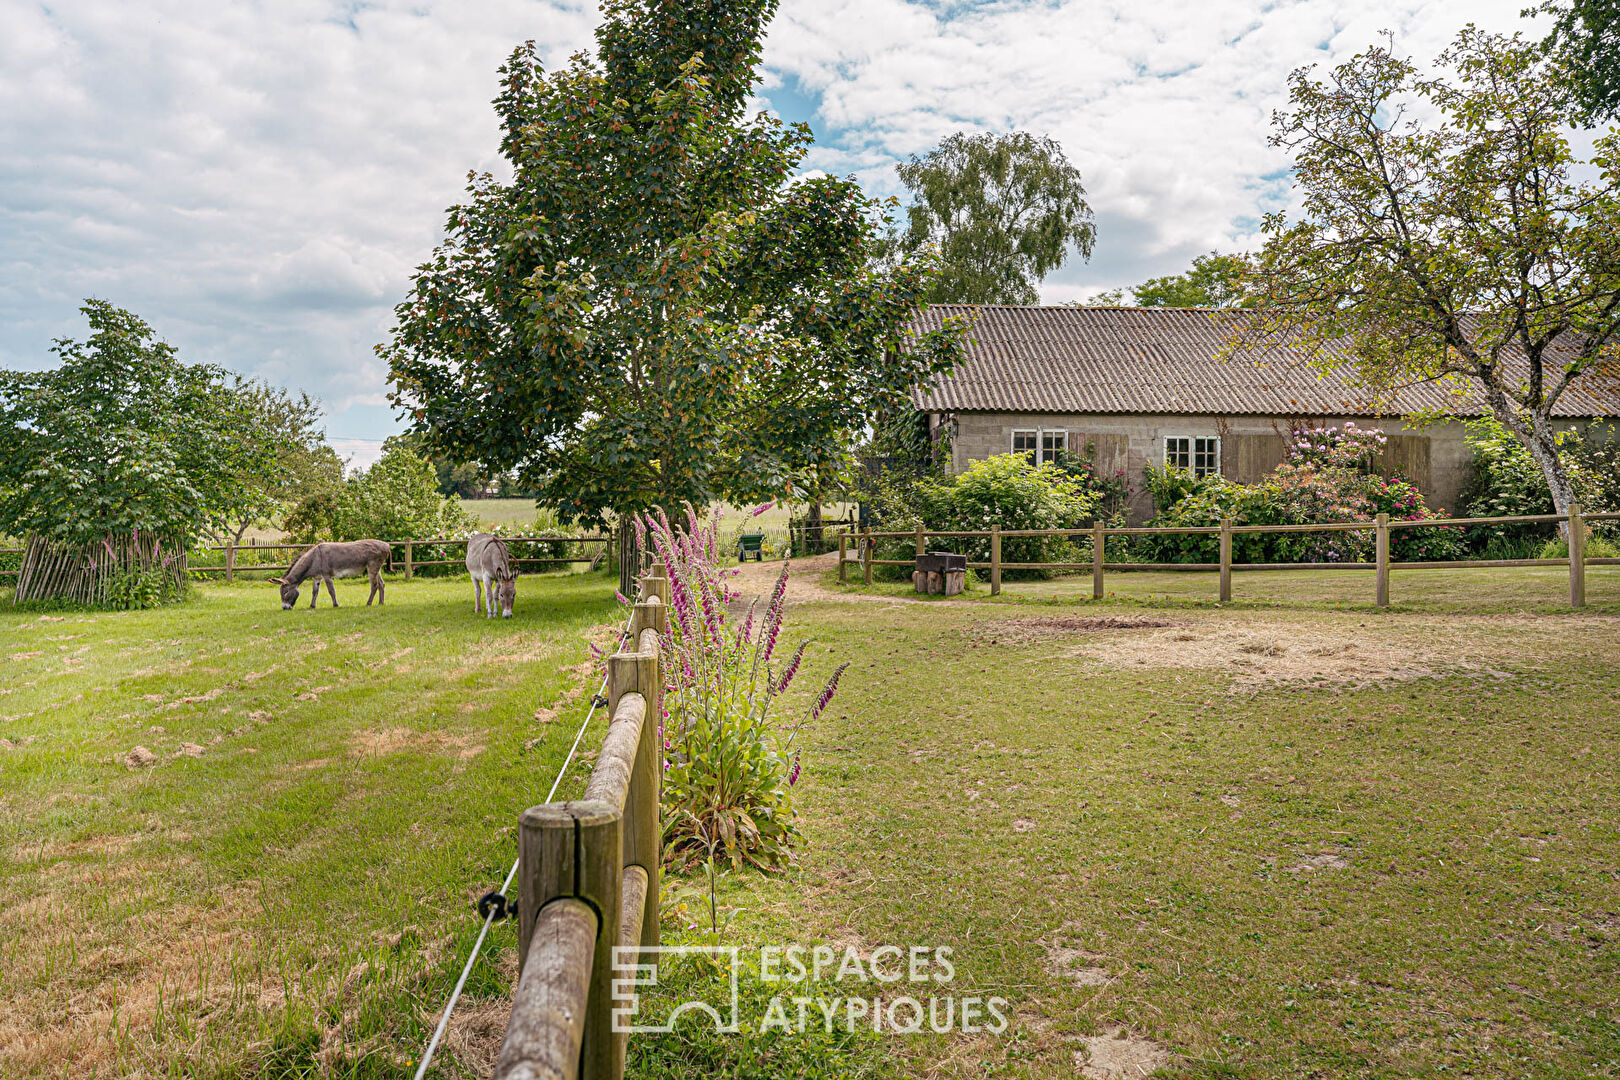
[[123, 438], [302, 465], [651, 310], [1003, 210], [1462, 249], [1585, 43], [396, 499], [1215, 281]]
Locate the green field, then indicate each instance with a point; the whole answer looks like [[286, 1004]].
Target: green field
[[1271, 839]]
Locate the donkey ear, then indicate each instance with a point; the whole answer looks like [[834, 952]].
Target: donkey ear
[[278, 581]]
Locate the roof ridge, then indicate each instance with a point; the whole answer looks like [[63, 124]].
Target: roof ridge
[[1084, 307]]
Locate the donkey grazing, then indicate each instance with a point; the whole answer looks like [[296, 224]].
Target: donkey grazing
[[323, 562], [490, 565]]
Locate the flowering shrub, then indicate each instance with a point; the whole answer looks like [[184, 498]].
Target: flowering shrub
[[728, 771], [1322, 480], [1349, 447], [1108, 491], [1403, 502]]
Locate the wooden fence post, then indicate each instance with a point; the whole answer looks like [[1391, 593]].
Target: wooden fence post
[[572, 850], [545, 1033], [1381, 553], [1226, 559], [866, 557], [843, 558], [641, 672], [995, 560], [921, 541], [230, 561], [1098, 546], [408, 560], [1577, 557]]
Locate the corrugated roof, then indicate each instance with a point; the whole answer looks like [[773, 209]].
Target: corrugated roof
[[1164, 360]]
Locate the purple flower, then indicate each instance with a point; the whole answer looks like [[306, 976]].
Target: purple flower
[[761, 508], [791, 670], [828, 692], [793, 773], [773, 613]]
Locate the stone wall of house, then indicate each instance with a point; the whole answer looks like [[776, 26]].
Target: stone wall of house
[[1435, 458]]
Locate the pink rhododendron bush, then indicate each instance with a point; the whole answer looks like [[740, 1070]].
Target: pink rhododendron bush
[[1326, 477], [730, 759]]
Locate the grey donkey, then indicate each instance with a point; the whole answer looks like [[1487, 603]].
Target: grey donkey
[[323, 562], [494, 580]]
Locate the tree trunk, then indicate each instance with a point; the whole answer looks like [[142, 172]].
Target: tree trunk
[[1535, 431]]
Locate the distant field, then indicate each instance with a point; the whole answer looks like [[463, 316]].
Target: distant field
[[500, 511], [773, 521]]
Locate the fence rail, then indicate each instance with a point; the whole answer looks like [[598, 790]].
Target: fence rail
[[1099, 533], [230, 568], [588, 877], [11, 551]]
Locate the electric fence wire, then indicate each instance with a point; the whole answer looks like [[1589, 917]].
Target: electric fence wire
[[489, 917]]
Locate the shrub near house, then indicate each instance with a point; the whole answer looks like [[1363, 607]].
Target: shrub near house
[[1007, 490], [1325, 478]]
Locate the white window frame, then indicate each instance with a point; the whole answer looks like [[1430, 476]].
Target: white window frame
[[1040, 451], [1193, 451], [1051, 453]]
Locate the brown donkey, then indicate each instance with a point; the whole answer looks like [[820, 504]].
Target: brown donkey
[[323, 562]]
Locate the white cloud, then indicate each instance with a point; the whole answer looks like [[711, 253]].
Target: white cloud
[[358, 453], [258, 180], [1164, 107]]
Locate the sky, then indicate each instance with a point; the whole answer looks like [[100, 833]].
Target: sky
[[257, 178]]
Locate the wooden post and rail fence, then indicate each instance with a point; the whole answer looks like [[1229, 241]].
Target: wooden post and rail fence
[[407, 563], [588, 877], [1099, 533]]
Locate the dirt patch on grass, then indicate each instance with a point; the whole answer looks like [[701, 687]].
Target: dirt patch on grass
[[395, 740], [1067, 961], [1259, 656], [1116, 1054], [1076, 966], [1021, 631], [131, 973]]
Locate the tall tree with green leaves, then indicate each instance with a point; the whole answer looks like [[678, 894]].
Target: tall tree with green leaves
[[1585, 43], [1002, 210], [121, 454], [1214, 281], [303, 465], [1466, 248], [653, 310]]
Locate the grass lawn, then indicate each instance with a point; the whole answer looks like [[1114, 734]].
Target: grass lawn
[[285, 890], [1272, 839], [1248, 842]]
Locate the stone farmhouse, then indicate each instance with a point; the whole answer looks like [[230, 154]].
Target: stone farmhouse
[[1145, 386]]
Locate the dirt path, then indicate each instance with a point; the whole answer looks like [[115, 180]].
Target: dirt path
[[804, 583]]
